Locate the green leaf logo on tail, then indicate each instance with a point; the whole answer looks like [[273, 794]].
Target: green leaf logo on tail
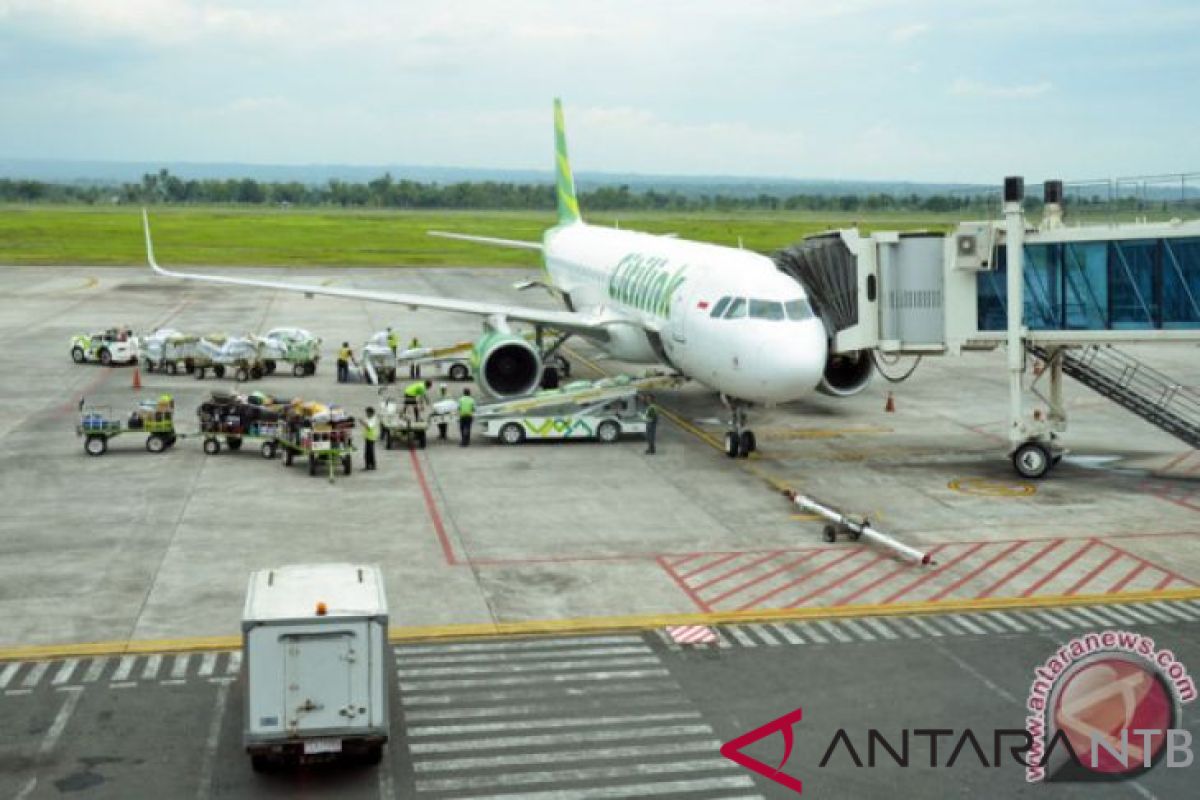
[[568, 205]]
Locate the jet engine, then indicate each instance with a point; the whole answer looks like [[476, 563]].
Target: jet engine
[[506, 365], [846, 374]]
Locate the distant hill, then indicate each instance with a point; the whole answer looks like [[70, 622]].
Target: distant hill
[[116, 172]]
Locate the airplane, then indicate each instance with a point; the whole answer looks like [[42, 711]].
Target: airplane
[[722, 316]]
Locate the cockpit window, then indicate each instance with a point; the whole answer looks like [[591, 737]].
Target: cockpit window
[[766, 309], [737, 309], [798, 310], [719, 308]]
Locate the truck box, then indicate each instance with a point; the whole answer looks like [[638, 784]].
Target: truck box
[[317, 662]]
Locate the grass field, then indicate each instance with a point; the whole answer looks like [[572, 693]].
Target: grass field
[[312, 237]]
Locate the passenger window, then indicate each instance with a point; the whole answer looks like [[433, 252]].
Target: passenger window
[[720, 307], [798, 310], [766, 309], [737, 309]]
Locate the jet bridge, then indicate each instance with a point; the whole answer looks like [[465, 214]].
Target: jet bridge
[[1079, 291]]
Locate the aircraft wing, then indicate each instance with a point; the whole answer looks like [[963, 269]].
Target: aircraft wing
[[566, 321]]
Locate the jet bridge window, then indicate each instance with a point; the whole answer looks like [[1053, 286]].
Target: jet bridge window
[[798, 310], [720, 307], [737, 309], [766, 309]]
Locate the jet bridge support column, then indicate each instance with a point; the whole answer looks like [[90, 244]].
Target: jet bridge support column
[[1014, 229]]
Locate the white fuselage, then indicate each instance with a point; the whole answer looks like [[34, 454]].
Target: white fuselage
[[667, 288]]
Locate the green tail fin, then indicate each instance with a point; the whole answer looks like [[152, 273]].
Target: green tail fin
[[568, 205]]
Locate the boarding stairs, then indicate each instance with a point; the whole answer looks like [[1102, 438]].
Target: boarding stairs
[[1145, 391]]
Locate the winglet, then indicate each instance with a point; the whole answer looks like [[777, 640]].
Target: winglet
[[150, 244], [568, 205]]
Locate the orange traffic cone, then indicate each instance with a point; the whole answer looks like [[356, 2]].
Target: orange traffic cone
[[137, 378], [890, 405]]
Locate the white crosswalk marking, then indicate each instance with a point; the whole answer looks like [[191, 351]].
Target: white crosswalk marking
[[567, 756], [1174, 610], [7, 672], [95, 669], [1130, 611], [924, 625], [970, 624], [1030, 620], [740, 636], [1112, 616], [810, 631], [151, 670], [516, 644], [235, 662], [1093, 619], [1009, 621], [588, 725], [989, 621], [787, 633], [905, 626], [34, 675], [124, 667], [180, 665], [880, 627], [537, 724], [833, 630], [1153, 613], [947, 624], [761, 632], [65, 671], [1047, 615], [208, 663], [528, 655], [1074, 616], [858, 630], [510, 669]]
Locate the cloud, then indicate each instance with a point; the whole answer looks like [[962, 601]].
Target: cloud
[[906, 32], [966, 87]]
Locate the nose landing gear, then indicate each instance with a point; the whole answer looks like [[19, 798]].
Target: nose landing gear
[[740, 442]]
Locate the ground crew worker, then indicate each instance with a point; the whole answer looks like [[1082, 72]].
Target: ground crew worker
[[466, 416], [416, 394], [344, 357], [442, 423], [370, 436], [414, 369], [651, 416], [393, 341]]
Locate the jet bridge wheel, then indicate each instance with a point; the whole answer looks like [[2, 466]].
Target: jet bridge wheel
[[1032, 460]]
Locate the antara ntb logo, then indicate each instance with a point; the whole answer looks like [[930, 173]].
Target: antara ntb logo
[[645, 282]]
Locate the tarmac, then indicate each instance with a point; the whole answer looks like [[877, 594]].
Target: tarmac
[[134, 551]]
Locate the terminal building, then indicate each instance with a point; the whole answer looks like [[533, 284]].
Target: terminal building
[[1081, 290]]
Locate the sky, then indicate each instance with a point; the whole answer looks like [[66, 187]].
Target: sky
[[822, 89]]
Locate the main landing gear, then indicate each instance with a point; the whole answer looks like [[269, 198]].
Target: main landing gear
[[739, 441]]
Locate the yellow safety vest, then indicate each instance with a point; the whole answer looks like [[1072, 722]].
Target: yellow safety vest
[[344, 354], [466, 406], [415, 390], [393, 341], [371, 429]]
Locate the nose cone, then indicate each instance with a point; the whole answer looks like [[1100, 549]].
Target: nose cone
[[795, 360]]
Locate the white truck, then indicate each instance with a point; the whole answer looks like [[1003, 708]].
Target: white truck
[[317, 662]]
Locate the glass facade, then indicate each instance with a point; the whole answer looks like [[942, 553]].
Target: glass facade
[[1132, 284]]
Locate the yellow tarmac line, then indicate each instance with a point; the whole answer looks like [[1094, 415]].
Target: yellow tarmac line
[[602, 624]]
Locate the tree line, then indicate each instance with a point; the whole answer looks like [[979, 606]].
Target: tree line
[[387, 192]]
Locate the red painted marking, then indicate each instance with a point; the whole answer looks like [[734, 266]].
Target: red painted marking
[[695, 598], [838, 581], [703, 304], [736, 570], [691, 634], [431, 509], [709, 565], [768, 575], [1054, 573], [977, 570], [1152, 565], [1103, 565], [1174, 462], [1164, 582], [678, 561], [933, 573], [1024, 565], [902, 569], [805, 576], [1121, 584]]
